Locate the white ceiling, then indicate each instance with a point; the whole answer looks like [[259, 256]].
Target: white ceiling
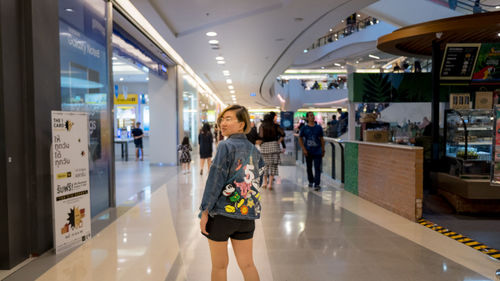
[[259, 39]]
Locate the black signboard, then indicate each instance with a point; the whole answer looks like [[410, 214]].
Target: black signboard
[[459, 60], [287, 120]]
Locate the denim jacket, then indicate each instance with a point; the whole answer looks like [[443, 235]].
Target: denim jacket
[[239, 198]]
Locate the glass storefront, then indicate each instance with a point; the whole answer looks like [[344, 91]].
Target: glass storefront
[[190, 118], [84, 85]]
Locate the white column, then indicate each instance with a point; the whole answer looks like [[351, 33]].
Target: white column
[[163, 119], [351, 109]]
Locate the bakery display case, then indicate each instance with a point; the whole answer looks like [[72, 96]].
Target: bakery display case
[[469, 140]]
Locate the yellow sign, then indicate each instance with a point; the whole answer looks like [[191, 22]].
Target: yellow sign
[[131, 99]]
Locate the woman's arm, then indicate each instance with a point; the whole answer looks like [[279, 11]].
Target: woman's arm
[[217, 177]]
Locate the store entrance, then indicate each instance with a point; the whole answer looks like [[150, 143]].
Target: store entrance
[[131, 110]]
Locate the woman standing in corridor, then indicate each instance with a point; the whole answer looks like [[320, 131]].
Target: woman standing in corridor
[[231, 199], [205, 139], [271, 136]]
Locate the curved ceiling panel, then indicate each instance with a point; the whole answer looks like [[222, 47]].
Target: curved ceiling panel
[[317, 28]]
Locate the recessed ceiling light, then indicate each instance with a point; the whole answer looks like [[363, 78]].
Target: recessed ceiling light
[[337, 64], [219, 58], [331, 30], [69, 10], [322, 67], [233, 96], [115, 58], [230, 87], [373, 57], [373, 66], [497, 7], [225, 72], [359, 15], [305, 51], [221, 62], [121, 79], [147, 78], [229, 81], [213, 42], [232, 91], [342, 67], [211, 33], [498, 34], [357, 61], [342, 20]]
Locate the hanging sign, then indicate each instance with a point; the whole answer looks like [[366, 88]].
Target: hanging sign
[[126, 99], [70, 179]]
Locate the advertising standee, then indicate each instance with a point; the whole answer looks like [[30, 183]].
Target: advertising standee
[[70, 179]]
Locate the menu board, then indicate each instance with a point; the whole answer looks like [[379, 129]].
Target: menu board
[[70, 179], [459, 61], [495, 169]]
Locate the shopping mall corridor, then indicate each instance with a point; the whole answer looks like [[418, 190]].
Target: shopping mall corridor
[[303, 235]]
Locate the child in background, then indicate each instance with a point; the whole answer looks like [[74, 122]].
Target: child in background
[[185, 157]]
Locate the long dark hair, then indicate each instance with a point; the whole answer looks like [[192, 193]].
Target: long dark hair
[[268, 127], [185, 140], [205, 129]]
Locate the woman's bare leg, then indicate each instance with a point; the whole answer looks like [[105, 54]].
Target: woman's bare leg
[[220, 260], [270, 184], [243, 250], [202, 164]]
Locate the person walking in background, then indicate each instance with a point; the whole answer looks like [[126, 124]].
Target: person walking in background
[[270, 149], [185, 157], [331, 129], [281, 132], [205, 139], [138, 135], [313, 147], [253, 135], [342, 123], [231, 199]]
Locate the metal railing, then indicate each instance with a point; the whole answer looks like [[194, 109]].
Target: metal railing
[[338, 34], [333, 162]]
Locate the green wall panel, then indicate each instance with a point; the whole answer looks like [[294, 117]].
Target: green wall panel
[[351, 168]]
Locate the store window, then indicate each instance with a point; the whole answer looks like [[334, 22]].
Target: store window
[[84, 85], [190, 108]]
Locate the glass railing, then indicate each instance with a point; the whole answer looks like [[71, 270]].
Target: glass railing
[[333, 162], [338, 34], [467, 6]]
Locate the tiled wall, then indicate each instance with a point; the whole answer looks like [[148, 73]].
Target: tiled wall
[[391, 177]]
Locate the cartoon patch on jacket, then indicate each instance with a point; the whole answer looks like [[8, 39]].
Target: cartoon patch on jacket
[[239, 194]]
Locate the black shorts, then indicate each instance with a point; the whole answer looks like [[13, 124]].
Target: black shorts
[[138, 145], [221, 228]]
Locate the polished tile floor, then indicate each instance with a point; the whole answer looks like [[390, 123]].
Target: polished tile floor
[[303, 235]]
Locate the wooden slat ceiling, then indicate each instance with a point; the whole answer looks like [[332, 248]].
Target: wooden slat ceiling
[[416, 40]]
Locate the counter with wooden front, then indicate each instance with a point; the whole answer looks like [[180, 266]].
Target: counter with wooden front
[[389, 175]]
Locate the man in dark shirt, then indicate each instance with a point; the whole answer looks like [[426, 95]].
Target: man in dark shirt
[[138, 135], [332, 127], [313, 147]]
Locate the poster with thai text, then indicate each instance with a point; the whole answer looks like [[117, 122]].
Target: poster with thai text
[[70, 179]]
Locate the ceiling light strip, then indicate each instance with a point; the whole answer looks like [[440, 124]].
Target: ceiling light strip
[[132, 12]]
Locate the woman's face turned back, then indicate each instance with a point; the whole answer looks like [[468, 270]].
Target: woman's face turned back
[[230, 125]]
